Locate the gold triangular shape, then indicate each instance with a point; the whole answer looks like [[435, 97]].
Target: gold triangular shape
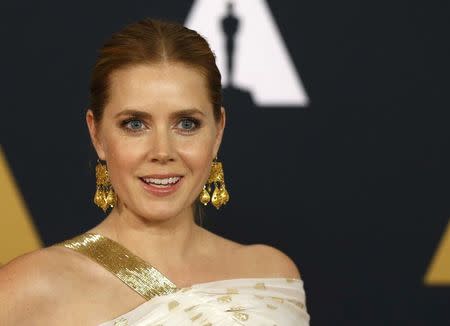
[[438, 273], [17, 232]]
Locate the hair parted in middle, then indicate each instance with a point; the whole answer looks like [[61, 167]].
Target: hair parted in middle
[[152, 41]]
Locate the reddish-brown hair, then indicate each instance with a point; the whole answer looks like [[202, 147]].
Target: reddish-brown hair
[[152, 41]]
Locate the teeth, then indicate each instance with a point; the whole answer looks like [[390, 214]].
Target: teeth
[[163, 182]]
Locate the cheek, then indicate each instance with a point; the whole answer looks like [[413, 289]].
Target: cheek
[[197, 158], [123, 156], [197, 153]]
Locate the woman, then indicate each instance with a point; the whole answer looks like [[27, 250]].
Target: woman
[[156, 119]]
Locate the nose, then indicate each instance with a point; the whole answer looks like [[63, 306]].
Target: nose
[[161, 149]]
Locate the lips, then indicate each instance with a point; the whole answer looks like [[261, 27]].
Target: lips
[[161, 185]]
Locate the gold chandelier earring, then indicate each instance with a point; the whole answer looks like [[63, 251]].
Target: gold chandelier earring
[[104, 195], [220, 194]]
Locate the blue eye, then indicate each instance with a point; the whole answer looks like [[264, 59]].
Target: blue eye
[[134, 124], [188, 124]]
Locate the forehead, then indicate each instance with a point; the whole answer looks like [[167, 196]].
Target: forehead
[[166, 86]]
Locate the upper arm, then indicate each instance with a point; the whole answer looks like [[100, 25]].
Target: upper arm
[[23, 290], [272, 262]]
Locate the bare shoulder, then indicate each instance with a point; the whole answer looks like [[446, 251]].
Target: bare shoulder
[[26, 280], [267, 261], [256, 260], [47, 265], [31, 268], [31, 285], [219, 243]]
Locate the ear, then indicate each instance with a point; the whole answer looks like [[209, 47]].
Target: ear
[[220, 129], [94, 133]]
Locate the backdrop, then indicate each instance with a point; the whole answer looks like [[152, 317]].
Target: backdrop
[[336, 149]]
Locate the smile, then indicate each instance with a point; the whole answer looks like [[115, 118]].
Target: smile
[[163, 182]]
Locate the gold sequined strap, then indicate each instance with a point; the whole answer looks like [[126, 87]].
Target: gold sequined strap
[[129, 268]]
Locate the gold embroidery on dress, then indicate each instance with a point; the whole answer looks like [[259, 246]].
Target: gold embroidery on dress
[[190, 308], [121, 322], [173, 304], [277, 299], [297, 303], [224, 299], [260, 286], [235, 308], [197, 316], [242, 316], [232, 291], [129, 268]]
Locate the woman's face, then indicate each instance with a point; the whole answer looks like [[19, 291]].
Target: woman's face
[[158, 136]]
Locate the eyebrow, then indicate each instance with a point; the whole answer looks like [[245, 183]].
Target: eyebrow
[[145, 115]]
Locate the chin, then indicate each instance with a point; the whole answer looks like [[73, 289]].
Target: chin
[[161, 212]]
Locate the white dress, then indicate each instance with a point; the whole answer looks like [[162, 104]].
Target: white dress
[[245, 301], [252, 302]]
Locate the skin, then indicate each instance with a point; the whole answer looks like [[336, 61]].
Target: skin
[[158, 120]]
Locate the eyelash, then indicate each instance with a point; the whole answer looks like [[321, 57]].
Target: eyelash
[[124, 125], [196, 122]]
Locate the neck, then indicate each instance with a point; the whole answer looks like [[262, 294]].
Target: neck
[[155, 241]]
